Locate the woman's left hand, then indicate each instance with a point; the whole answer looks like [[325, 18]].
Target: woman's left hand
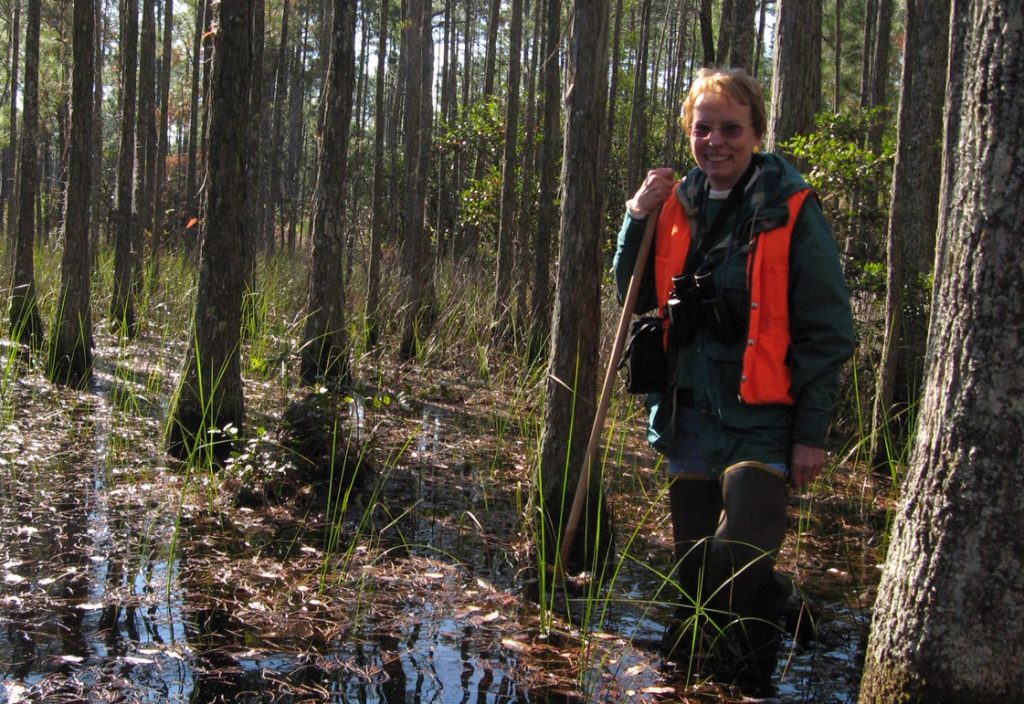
[[806, 464]]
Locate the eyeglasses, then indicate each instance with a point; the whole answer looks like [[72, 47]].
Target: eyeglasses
[[729, 130]]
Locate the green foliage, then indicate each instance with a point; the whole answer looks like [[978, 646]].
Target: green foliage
[[853, 184], [483, 128]]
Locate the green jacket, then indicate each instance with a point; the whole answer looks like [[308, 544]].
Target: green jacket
[[821, 326]]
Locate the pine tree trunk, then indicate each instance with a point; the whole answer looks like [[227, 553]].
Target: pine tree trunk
[[548, 167], [146, 140], [70, 355], [417, 294], [379, 224], [192, 177], [126, 256], [744, 27], [209, 397], [10, 191], [502, 314], [276, 153], [164, 91], [572, 379], [325, 349], [913, 217], [949, 619], [707, 34], [26, 322], [796, 71], [96, 200]]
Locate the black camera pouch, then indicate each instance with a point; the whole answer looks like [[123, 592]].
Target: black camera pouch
[[644, 358]]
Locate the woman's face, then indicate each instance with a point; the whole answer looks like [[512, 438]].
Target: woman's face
[[722, 139]]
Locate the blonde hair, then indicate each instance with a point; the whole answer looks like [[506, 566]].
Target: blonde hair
[[734, 84]]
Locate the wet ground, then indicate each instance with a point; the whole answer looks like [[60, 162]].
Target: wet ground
[[127, 578]]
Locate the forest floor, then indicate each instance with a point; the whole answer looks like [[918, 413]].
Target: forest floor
[[399, 572]]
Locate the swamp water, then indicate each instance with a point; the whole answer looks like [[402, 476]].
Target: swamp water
[[126, 580]]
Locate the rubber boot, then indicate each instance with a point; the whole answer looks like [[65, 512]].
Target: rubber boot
[[742, 565], [696, 507]]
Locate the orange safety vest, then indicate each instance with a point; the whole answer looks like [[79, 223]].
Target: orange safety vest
[[766, 377]]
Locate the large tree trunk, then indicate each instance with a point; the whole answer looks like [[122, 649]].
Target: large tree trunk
[[417, 285], [209, 396], [949, 618], [573, 369], [26, 323], [507, 224], [126, 256], [325, 349], [744, 31], [192, 177], [146, 139], [548, 207], [707, 34], [10, 177], [276, 152], [71, 342], [380, 214], [796, 71], [97, 202], [163, 91], [913, 217]]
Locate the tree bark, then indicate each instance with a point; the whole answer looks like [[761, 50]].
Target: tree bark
[[707, 34], [949, 618], [796, 71], [503, 303], [126, 256], [548, 167], [325, 349], [417, 285], [10, 199], [96, 200], [70, 355], [146, 139], [192, 178], [744, 30], [277, 153], [164, 93], [572, 378], [209, 397], [379, 222], [913, 217], [26, 322]]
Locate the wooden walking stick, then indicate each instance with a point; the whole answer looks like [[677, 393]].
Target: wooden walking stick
[[583, 485]]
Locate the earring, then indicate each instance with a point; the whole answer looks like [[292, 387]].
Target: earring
[[757, 149]]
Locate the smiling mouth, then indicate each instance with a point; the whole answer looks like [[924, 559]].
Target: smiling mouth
[[716, 158]]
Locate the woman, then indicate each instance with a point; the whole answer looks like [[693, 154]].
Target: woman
[[746, 276]]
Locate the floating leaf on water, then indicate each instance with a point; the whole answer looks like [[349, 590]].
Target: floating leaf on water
[[11, 564], [137, 661], [90, 606], [635, 670], [257, 606], [493, 616], [658, 690], [12, 578], [515, 645], [71, 658]]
